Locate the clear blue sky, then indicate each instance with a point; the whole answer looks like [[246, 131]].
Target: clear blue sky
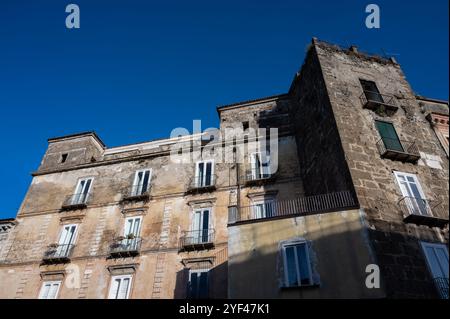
[[137, 69]]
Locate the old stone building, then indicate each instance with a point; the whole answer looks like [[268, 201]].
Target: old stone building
[[6, 227], [355, 175], [436, 112]]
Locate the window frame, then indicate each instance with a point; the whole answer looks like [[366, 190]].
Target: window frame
[[134, 218], [264, 168], [51, 282], [375, 92], [425, 245], [263, 202], [415, 206], [64, 158], [75, 233], [388, 141], [304, 243], [198, 271], [135, 179], [210, 223], [197, 171], [121, 277], [76, 194], [416, 180]]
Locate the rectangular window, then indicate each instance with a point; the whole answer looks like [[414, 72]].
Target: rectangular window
[[437, 260], [389, 136], [260, 166], [200, 226], [120, 287], [49, 290], [141, 182], [66, 240], [204, 173], [82, 191], [64, 157], [297, 267], [414, 197], [198, 284], [132, 226], [263, 209], [371, 91]]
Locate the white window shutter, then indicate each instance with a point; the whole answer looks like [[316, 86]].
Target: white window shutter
[[123, 288], [114, 288], [45, 291], [53, 291]]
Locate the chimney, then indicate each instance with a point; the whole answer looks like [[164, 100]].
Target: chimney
[[353, 49]]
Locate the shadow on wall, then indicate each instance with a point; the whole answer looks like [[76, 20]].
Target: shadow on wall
[[339, 258], [403, 265], [217, 282]]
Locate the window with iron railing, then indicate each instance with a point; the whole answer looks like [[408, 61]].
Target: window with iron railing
[[371, 98], [204, 174], [436, 255], [390, 146], [141, 182], [266, 209], [81, 196], [297, 266]]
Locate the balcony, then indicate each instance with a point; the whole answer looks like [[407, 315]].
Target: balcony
[[420, 212], [56, 254], [252, 178], [379, 103], [76, 201], [397, 150], [136, 193], [126, 247], [202, 184], [294, 207], [442, 287], [197, 240]]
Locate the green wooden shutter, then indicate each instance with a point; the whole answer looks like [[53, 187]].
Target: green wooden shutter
[[389, 136]]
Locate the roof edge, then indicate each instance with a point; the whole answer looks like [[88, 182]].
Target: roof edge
[[81, 134], [221, 108], [424, 98]]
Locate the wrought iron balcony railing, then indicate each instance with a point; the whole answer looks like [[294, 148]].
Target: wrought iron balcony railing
[[202, 183], [126, 247], [58, 253], [420, 212], [197, 239], [299, 206], [76, 201], [442, 287], [398, 150], [136, 192], [380, 103]]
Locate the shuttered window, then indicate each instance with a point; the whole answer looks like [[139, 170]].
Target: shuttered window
[[120, 287], [141, 182], [49, 290], [297, 267], [198, 284]]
